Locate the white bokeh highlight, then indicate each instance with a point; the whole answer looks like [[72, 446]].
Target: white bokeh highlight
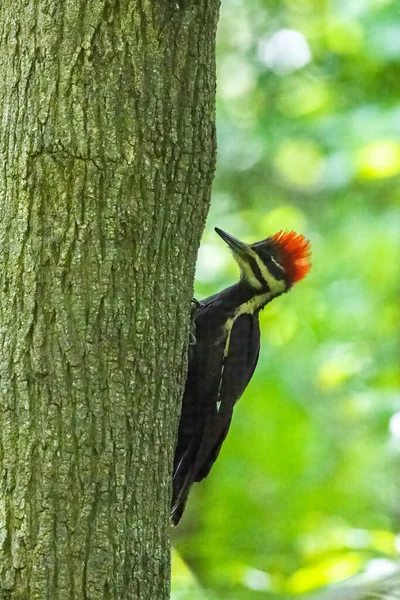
[[257, 580], [285, 51], [394, 426]]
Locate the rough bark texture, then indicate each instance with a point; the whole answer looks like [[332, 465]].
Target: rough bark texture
[[107, 157]]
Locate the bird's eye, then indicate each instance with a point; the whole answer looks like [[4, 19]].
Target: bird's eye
[[273, 267]]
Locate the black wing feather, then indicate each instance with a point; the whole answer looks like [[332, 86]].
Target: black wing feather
[[239, 367], [203, 428]]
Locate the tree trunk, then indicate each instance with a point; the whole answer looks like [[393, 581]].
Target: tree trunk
[[107, 157]]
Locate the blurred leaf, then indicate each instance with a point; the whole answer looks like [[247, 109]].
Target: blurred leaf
[[324, 572], [305, 490]]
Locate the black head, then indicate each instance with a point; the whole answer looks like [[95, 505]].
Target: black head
[[274, 264]]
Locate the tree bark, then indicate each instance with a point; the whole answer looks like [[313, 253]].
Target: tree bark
[[107, 157]]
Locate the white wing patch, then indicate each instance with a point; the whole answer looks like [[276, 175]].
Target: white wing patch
[[248, 307]]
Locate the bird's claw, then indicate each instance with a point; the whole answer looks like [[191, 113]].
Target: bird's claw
[[193, 315]]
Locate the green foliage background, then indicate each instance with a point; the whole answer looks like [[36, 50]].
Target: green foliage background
[[305, 492]]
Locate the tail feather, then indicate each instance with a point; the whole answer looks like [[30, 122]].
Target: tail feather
[[182, 481], [179, 505]]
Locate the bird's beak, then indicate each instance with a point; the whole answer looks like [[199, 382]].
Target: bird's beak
[[236, 245]]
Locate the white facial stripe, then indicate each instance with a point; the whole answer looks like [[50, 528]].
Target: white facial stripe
[[276, 262], [247, 273], [277, 286]]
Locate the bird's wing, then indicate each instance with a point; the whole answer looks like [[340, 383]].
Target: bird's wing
[[213, 387], [205, 359], [238, 368], [240, 362]]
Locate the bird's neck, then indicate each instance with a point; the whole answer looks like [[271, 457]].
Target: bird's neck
[[241, 299]]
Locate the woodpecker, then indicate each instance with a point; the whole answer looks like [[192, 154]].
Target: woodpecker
[[225, 349]]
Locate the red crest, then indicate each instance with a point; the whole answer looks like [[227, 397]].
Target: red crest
[[295, 254]]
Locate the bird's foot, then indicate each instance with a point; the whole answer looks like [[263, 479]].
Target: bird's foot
[[193, 315]]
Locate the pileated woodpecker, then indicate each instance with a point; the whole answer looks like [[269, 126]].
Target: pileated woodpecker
[[225, 353]]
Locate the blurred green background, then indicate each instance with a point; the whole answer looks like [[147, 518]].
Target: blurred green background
[[305, 492]]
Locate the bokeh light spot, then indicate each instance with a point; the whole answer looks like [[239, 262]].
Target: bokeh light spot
[[283, 217], [379, 159], [394, 426], [285, 51], [300, 162], [257, 580], [243, 80], [211, 262], [344, 37]]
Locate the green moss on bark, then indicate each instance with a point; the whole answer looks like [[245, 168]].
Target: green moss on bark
[[107, 157]]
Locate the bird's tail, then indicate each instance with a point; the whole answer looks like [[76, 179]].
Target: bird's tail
[[178, 507], [182, 481]]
